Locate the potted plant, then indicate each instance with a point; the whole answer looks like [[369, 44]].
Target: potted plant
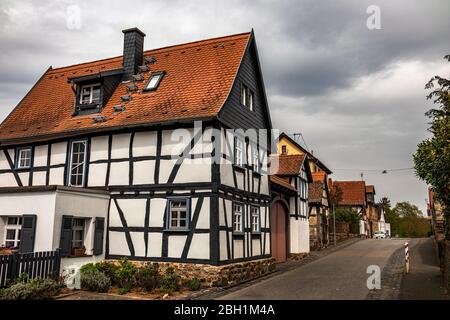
[[79, 251]]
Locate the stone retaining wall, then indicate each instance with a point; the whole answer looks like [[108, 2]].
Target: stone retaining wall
[[219, 276]]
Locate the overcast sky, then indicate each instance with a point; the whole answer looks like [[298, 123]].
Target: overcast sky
[[357, 95]]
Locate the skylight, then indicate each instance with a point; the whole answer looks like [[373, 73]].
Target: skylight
[[155, 79]]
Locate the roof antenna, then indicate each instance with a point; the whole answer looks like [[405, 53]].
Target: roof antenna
[[303, 138], [362, 176]]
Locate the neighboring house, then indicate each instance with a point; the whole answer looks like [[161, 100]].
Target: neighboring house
[[371, 211], [382, 224], [319, 214], [110, 155], [290, 236], [318, 204], [354, 198], [288, 146]]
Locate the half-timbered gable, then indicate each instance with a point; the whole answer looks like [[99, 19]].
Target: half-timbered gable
[[179, 137]]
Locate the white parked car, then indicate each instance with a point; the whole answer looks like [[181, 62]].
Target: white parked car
[[379, 235]]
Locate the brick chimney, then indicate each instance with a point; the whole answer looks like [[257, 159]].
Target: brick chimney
[[133, 52]]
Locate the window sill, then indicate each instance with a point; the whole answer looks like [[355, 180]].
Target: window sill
[[256, 174], [83, 256], [256, 234], [238, 234]]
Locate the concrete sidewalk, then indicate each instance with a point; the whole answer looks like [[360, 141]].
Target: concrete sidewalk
[[424, 281]]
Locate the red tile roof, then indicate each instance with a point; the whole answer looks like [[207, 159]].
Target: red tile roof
[[281, 182], [353, 192], [198, 79], [286, 164], [315, 192], [370, 189], [319, 176]]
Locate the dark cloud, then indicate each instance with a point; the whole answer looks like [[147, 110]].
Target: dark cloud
[[357, 95]]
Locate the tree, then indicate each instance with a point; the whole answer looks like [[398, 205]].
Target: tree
[[406, 209], [385, 203], [432, 158], [350, 216], [335, 195]]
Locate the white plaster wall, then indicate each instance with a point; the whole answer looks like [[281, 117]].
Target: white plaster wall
[[41, 204], [203, 219], [118, 244], [120, 146], [165, 168], [7, 180], [226, 173], [39, 178], [299, 235], [194, 170], [40, 156], [119, 173], [256, 247], [138, 243], [25, 178], [176, 245], [174, 141], [154, 244], [3, 162], [157, 210], [99, 148], [144, 144], [199, 248], [133, 211], [56, 176], [144, 172], [80, 205], [223, 245], [59, 151], [97, 174], [238, 249]]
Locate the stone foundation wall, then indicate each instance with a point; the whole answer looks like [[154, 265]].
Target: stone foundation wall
[[297, 256], [219, 276], [443, 247]]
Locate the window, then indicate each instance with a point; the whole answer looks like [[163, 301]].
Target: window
[[77, 233], [238, 216], [155, 79], [283, 149], [13, 232], [23, 158], [77, 163], [238, 152], [179, 214], [90, 94], [256, 224], [247, 97], [255, 159]]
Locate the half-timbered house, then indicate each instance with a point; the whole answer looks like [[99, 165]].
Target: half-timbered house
[[319, 213], [289, 209], [155, 155]]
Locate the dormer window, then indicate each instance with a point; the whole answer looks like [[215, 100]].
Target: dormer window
[[90, 94], [154, 81]]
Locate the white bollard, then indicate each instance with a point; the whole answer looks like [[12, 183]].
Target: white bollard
[[407, 256]]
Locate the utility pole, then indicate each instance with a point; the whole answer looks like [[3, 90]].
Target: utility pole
[[334, 223]]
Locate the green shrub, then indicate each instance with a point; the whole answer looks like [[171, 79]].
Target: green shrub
[[124, 276], [94, 280], [35, 289], [148, 277], [88, 267], [171, 281], [125, 289], [108, 268], [193, 284]]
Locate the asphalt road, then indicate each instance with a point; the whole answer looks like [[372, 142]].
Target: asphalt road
[[339, 275]]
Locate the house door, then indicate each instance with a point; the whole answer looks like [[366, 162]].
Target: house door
[[278, 231]]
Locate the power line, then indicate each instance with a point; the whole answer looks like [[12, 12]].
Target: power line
[[383, 171]]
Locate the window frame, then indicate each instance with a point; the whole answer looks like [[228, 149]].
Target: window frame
[[242, 222], [69, 171], [241, 150], [17, 228], [91, 102], [252, 215], [18, 158], [169, 214], [76, 228], [247, 97], [255, 152], [283, 149], [161, 75]]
